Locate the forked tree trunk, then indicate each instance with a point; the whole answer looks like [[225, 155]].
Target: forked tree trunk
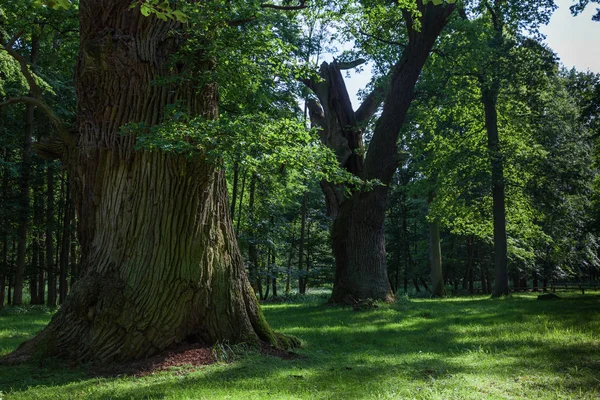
[[160, 257], [358, 238]]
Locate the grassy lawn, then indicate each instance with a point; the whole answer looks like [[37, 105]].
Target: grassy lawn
[[457, 348]]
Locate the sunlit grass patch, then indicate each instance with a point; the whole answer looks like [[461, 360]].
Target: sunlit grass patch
[[456, 348]]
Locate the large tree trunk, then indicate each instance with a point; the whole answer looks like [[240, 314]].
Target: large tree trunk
[[160, 257], [359, 249], [358, 221]]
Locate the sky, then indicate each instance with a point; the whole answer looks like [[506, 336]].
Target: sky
[[576, 41]]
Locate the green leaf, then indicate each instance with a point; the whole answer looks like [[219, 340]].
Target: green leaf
[[145, 10], [181, 17]]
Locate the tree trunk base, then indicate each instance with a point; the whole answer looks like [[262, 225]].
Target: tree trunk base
[[99, 324]]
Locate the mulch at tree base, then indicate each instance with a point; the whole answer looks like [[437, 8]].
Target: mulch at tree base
[[184, 355]]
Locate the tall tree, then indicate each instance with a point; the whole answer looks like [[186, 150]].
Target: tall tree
[[358, 220], [157, 246], [24, 200]]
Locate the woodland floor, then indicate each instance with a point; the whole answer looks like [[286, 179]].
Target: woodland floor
[[461, 348]]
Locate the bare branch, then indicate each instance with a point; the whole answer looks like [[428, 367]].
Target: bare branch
[[350, 64]]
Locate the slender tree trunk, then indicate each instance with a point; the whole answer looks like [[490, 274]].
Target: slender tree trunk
[[484, 283], [405, 234], [41, 273], [308, 248], [24, 189], [489, 98], [159, 253], [23, 207], [416, 285], [288, 282], [2, 289], [33, 274], [49, 235], [34, 243], [274, 279], [73, 255], [435, 258], [4, 230], [301, 272], [11, 282], [252, 250], [66, 243], [236, 174], [471, 264], [239, 219], [269, 272], [424, 283]]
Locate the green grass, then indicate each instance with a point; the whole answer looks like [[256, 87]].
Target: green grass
[[457, 348]]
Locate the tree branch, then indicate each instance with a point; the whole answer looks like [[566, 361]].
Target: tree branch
[[62, 129], [371, 103], [35, 98], [300, 6], [350, 64], [33, 86], [13, 40], [393, 43]]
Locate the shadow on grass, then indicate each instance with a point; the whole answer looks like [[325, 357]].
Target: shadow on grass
[[417, 340]]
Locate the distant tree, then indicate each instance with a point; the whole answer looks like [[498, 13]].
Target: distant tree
[[358, 216]]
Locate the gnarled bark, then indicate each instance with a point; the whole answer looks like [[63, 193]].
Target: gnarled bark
[[160, 261]]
